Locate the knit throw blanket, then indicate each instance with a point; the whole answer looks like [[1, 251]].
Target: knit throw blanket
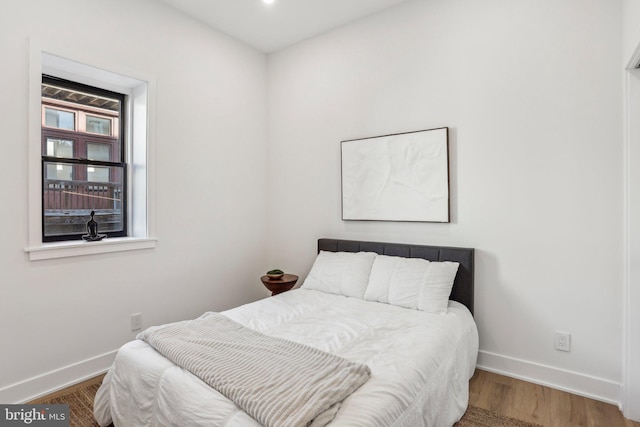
[[278, 382]]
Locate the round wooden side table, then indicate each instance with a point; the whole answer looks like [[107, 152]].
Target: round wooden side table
[[277, 286]]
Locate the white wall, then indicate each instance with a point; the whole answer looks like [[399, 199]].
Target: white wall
[[534, 105], [631, 296], [630, 29], [62, 319], [531, 92]]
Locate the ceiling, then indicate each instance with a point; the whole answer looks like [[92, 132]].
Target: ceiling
[[271, 27]]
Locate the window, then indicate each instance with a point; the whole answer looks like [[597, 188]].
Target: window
[[99, 125], [77, 147], [60, 118], [83, 160]]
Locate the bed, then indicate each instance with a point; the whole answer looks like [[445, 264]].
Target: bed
[[418, 354]]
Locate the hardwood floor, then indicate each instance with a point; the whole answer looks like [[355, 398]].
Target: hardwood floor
[[513, 398], [541, 405], [71, 389]]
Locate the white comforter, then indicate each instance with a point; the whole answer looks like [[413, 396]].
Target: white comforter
[[420, 365]]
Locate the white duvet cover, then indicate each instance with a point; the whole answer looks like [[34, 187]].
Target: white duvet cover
[[421, 364]]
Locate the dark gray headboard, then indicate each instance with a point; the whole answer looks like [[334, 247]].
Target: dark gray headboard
[[462, 286]]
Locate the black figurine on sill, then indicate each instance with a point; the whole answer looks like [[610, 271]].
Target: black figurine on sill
[[92, 230]]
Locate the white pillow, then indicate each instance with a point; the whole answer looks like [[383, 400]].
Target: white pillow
[[412, 283], [341, 273]]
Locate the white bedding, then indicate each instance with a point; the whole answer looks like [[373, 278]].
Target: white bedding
[[420, 364]]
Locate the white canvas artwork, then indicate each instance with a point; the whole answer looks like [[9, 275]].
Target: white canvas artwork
[[401, 177]]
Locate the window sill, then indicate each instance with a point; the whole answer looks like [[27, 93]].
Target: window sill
[[80, 248]]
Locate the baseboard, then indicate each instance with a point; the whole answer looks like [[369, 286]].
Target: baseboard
[[50, 382], [561, 379]]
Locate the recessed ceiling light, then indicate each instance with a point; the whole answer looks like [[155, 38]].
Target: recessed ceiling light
[[268, 1]]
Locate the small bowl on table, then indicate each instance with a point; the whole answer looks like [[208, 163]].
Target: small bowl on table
[[275, 276]]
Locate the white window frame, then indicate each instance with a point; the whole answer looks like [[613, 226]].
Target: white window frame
[[63, 62]]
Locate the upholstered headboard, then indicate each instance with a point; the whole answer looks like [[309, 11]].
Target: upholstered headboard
[[462, 286]]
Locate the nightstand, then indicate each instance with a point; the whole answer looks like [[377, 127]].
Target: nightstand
[[277, 286]]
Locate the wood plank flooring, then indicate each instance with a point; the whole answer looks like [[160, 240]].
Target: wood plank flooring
[[542, 405], [71, 389], [512, 398]]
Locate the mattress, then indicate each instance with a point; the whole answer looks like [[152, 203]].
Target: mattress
[[420, 365]]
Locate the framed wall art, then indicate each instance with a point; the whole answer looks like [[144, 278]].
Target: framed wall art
[[399, 177]]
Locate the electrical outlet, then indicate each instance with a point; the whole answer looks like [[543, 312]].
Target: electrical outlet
[[563, 341], [136, 321]]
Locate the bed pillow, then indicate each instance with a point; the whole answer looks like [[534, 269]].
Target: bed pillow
[[412, 283], [341, 273]]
